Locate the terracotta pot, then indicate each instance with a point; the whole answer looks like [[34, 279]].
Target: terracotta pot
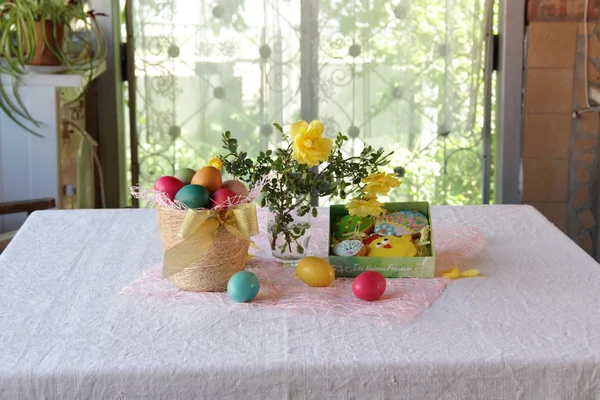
[[43, 53]]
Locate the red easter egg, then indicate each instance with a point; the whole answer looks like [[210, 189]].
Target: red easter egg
[[369, 286], [221, 196], [169, 185]]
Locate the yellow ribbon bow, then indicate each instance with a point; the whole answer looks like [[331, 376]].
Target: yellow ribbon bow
[[198, 230]]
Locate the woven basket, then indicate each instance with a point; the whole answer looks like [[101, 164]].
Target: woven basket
[[209, 272]]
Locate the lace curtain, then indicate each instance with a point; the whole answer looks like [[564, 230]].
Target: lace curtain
[[406, 75]]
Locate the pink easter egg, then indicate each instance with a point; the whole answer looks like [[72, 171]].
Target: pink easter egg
[[236, 187]]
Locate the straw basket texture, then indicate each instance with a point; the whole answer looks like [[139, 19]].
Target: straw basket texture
[[208, 272]]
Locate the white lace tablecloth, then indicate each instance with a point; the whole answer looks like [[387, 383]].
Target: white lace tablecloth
[[529, 328]]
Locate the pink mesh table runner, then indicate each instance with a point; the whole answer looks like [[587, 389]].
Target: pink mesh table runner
[[403, 300]]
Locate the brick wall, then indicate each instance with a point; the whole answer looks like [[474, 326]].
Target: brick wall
[[554, 10], [560, 151]]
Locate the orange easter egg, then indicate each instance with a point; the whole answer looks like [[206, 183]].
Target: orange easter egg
[[236, 187], [209, 177]]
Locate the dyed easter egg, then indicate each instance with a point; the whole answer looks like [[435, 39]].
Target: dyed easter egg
[[185, 175], [193, 196], [221, 196], [168, 185], [243, 286], [400, 223], [315, 272], [236, 187], [369, 286], [209, 177], [392, 246], [349, 225], [350, 248]]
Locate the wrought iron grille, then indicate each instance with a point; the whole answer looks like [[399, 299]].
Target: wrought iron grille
[[406, 75]]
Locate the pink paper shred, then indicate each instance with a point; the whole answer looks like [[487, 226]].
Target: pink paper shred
[[403, 300]]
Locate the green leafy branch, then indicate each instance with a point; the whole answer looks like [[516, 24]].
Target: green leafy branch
[[291, 186]]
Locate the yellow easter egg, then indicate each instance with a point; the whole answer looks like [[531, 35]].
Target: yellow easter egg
[[315, 272]]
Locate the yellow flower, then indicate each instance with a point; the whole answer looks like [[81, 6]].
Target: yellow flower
[[380, 183], [215, 162], [308, 146], [364, 208]]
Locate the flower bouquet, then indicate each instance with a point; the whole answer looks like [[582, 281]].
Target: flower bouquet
[[306, 167]]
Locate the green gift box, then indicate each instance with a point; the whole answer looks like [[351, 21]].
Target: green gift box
[[389, 267]]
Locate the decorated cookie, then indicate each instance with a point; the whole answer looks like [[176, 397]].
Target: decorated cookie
[[400, 223], [349, 225], [392, 246], [367, 241], [350, 248]]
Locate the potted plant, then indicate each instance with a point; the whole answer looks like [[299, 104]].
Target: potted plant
[[61, 33]]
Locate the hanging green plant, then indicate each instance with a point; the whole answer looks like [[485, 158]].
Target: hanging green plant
[[46, 33]]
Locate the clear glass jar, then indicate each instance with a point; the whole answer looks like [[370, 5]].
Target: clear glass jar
[[297, 249]]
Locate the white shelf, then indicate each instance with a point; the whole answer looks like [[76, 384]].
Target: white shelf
[[30, 164], [52, 77]]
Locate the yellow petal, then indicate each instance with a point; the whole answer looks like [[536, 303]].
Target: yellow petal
[[470, 273], [315, 129], [364, 208], [310, 151], [323, 146], [452, 273], [373, 177], [298, 140], [374, 202], [372, 190], [298, 128], [302, 157], [296, 155], [310, 160], [215, 162]]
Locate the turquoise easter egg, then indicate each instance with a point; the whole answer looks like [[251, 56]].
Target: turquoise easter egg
[[185, 175], [243, 286], [194, 196]]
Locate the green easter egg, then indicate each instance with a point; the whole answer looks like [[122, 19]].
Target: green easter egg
[[194, 196], [185, 175], [348, 225]]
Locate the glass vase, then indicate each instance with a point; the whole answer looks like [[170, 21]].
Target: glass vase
[[293, 252]]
